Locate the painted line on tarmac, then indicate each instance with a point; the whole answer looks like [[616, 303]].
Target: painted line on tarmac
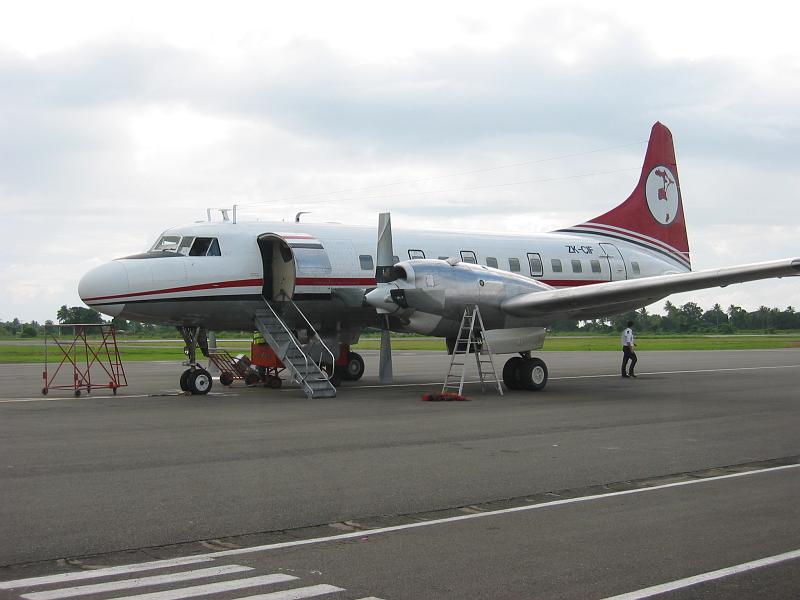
[[105, 572], [684, 372], [110, 397], [389, 385], [405, 385], [489, 513], [710, 576]]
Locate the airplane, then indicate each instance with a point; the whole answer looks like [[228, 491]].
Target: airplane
[[310, 287]]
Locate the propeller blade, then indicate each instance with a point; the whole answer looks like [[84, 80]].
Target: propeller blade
[[385, 374], [384, 261]]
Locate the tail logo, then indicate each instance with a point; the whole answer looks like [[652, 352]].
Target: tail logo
[[661, 192]]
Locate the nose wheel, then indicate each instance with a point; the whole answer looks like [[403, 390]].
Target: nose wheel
[[525, 373], [196, 381]]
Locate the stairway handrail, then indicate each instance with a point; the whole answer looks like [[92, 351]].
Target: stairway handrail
[[313, 330], [291, 338]]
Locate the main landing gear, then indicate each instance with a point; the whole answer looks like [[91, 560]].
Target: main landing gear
[[525, 373], [195, 380], [353, 369], [349, 367]]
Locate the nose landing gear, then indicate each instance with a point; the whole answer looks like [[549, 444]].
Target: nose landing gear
[[195, 380]]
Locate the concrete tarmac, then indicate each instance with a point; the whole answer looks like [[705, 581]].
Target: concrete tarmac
[[150, 473]]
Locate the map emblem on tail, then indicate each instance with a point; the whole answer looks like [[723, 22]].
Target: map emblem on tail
[[662, 195]]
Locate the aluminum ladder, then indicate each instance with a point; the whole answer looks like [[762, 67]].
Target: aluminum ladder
[[471, 337], [300, 365]]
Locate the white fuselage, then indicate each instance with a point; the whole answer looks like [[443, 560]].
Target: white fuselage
[[329, 267]]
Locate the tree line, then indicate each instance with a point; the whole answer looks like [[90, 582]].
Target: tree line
[[692, 318], [689, 318]]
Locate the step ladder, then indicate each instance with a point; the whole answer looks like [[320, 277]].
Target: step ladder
[[471, 338], [301, 366]]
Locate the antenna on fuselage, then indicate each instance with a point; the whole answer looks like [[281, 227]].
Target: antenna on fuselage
[[302, 212], [225, 212]]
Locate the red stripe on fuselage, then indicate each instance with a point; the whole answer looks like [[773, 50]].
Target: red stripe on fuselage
[[335, 281], [310, 281], [571, 282], [187, 288]]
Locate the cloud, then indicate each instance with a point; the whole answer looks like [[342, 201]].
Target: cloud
[[105, 143]]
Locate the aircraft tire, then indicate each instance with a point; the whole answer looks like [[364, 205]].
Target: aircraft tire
[[533, 374], [511, 373], [354, 369], [184, 381], [200, 382]]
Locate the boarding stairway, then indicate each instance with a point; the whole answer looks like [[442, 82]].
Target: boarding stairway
[[276, 327], [471, 338]]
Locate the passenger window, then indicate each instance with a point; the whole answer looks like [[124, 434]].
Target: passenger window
[[468, 256], [491, 261], [535, 263], [577, 267], [595, 266], [202, 246], [635, 267], [412, 254], [556, 264], [513, 265], [366, 262]]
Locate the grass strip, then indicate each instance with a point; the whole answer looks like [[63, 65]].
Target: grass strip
[[172, 351]]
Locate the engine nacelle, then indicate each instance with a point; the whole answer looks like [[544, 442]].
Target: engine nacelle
[[423, 293]]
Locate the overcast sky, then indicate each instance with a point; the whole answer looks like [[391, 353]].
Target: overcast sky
[[120, 119]]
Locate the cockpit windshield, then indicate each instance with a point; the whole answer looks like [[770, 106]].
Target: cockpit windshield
[[187, 245], [167, 243]]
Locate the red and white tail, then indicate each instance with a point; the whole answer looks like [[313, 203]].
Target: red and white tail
[[652, 216]]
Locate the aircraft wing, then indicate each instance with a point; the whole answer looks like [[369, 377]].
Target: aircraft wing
[[605, 298]]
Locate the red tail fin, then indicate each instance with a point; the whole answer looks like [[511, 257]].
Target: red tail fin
[[652, 216]]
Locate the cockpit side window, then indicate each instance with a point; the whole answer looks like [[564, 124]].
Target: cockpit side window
[[204, 246], [167, 243], [186, 243], [213, 249]]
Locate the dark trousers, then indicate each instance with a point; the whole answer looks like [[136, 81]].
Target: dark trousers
[[628, 355]]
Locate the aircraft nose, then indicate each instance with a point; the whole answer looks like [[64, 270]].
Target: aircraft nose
[[101, 287]]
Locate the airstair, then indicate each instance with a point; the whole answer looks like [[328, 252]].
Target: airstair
[[277, 331], [471, 339]]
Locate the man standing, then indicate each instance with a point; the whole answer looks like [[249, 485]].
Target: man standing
[[628, 344]]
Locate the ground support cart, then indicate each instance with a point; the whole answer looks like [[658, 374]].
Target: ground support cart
[[82, 356], [264, 368], [267, 367]]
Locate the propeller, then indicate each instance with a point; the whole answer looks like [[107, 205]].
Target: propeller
[[383, 275]]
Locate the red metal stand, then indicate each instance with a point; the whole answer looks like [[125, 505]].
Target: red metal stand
[[100, 353]]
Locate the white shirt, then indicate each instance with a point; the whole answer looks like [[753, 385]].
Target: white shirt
[[627, 337]]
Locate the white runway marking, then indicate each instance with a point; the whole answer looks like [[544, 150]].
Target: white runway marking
[[491, 513], [405, 385], [123, 584], [297, 593], [96, 573], [212, 588], [599, 376], [710, 576]]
